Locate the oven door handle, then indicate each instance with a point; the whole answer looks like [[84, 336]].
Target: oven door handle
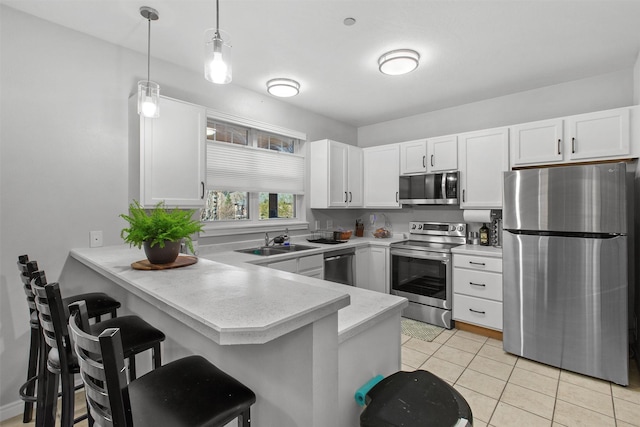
[[444, 257]]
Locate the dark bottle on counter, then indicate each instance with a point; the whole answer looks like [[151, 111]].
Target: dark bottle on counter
[[484, 235]]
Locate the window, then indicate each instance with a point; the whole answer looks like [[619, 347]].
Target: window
[[225, 205], [253, 176], [277, 205]]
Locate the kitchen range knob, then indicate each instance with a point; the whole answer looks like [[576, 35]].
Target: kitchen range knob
[[452, 228], [460, 228], [413, 226], [419, 226]]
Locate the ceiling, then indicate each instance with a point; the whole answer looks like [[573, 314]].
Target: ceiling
[[470, 50]]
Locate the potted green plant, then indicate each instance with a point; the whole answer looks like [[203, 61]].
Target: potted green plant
[[159, 230]]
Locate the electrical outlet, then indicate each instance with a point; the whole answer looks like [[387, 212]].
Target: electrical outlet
[[96, 239]]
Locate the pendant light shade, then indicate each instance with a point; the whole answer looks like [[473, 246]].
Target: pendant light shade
[[217, 53], [397, 62], [148, 91]]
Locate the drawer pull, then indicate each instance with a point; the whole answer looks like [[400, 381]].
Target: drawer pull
[[477, 263], [477, 284], [476, 311]]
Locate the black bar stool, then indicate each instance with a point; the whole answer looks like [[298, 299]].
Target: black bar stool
[[415, 399], [61, 363], [98, 305], [187, 392]]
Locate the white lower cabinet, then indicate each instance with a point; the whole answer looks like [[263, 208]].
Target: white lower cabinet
[[312, 266], [477, 290], [372, 268]]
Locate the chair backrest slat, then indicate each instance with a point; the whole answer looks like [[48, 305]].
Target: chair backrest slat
[[101, 361]]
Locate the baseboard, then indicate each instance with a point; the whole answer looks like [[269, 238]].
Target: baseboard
[[491, 333], [12, 410]]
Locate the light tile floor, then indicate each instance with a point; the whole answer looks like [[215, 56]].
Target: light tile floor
[[506, 390]]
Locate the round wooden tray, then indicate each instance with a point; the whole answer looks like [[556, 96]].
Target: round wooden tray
[[181, 261]]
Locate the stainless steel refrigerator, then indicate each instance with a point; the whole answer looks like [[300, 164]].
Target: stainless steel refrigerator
[[566, 262]]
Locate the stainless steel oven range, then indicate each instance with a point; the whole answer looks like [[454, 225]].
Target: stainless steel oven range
[[421, 270]]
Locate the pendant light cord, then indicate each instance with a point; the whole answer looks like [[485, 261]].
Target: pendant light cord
[[149, 50], [217, 18]]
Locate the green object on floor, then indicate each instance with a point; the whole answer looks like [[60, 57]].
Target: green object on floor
[[420, 330]]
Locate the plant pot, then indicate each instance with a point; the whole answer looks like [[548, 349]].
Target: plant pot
[[166, 255]]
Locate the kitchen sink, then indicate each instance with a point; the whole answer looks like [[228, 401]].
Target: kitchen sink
[[274, 250], [293, 248]]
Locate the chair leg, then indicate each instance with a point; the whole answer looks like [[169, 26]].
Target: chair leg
[[157, 356], [245, 418], [48, 417], [68, 398], [114, 313], [32, 371], [42, 381], [132, 368]]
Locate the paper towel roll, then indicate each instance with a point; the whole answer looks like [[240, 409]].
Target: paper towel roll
[[477, 215]]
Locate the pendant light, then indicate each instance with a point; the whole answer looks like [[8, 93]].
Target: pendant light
[[148, 91], [217, 53]]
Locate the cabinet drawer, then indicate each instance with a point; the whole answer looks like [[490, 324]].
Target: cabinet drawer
[[478, 262], [310, 262], [478, 311], [481, 284], [290, 265]]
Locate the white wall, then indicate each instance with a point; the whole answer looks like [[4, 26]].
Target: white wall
[[580, 96], [63, 153], [636, 81]]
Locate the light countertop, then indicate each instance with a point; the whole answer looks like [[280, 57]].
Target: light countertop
[[232, 301], [488, 251]]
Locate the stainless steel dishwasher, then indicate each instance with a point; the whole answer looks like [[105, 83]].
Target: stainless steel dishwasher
[[339, 266]]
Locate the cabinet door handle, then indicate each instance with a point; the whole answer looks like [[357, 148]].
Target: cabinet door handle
[[345, 197], [424, 161], [477, 284], [202, 184], [397, 199], [350, 197], [463, 199], [432, 160], [477, 311], [573, 145], [559, 141], [477, 263]]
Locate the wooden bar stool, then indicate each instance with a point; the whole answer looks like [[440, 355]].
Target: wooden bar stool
[[98, 305], [61, 363], [187, 392]]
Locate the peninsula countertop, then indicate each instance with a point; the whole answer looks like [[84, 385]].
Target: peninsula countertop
[[240, 303]]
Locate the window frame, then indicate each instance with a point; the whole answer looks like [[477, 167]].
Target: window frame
[[254, 224]]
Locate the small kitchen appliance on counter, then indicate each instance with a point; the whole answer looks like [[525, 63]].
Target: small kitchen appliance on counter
[[421, 270]]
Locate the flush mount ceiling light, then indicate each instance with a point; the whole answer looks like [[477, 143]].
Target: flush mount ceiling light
[[148, 91], [283, 88], [217, 53], [397, 62]]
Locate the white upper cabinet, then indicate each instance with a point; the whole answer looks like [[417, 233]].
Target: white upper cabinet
[[413, 157], [335, 175], [442, 153], [429, 155], [602, 135], [167, 154], [484, 156], [537, 143], [599, 135], [381, 176]]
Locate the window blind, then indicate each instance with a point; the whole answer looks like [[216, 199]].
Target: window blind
[[239, 168]]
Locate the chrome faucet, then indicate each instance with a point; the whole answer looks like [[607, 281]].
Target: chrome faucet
[[278, 239]]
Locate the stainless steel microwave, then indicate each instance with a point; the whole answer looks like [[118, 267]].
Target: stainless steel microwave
[[429, 189]]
